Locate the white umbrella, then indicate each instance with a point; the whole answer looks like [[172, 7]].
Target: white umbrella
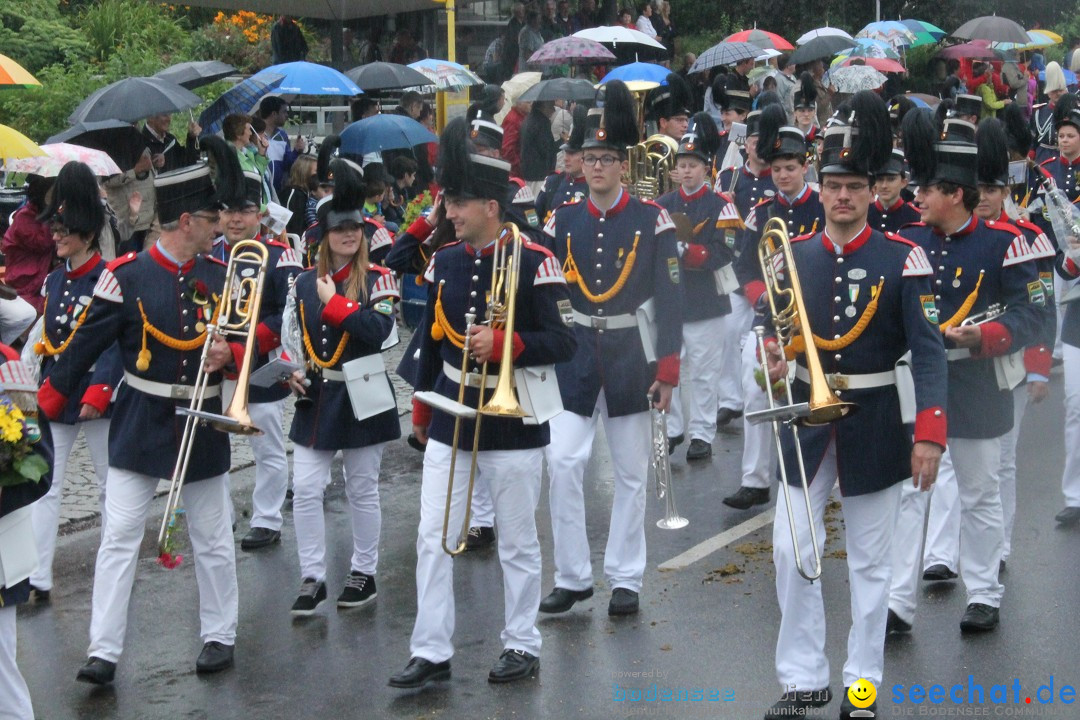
[[58, 155], [616, 35], [850, 79], [514, 87], [822, 32]]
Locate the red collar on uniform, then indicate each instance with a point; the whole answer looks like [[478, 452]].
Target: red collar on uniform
[[767, 172], [168, 264], [1069, 163], [577, 180], [799, 200], [619, 206], [700, 192], [486, 251], [965, 229], [854, 244], [343, 273], [84, 268], [895, 206]]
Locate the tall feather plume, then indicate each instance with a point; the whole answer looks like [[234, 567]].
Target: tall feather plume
[[453, 156], [228, 176], [993, 155], [919, 139], [708, 135], [76, 199], [1065, 105], [807, 88], [1016, 129], [772, 119], [942, 111], [620, 114], [682, 96], [327, 151], [577, 129], [348, 186], [873, 143]]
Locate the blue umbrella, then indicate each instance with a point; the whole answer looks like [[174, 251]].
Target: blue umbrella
[[305, 78], [650, 72], [384, 132], [1070, 76], [240, 98]]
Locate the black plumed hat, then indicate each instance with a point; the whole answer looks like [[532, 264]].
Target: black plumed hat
[[75, 201], [776, 138], [1067, 111], [577, 129], [329, 150], [702, 138], [805, 95], [213, 183], [993, 153], [969, 105], [935, 157], [484, 131], [859, 140], [347, 202], [1017, 134], [671, 99], [466, 174], [617, 128]]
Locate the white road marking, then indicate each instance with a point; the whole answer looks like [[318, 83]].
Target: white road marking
[[717, 542]]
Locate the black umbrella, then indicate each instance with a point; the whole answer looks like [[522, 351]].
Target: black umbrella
[[820, 47], [386, 76], [119, 140], [134, 98], [994, 29], [196, 73], [560, 89]]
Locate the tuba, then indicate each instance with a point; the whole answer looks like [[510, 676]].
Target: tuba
[[652, 164], [788, 313]]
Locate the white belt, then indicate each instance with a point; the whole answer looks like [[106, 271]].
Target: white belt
[[165, 390], [840, 381], [958, 354], [471, 379], [333, 375], [614, 322]]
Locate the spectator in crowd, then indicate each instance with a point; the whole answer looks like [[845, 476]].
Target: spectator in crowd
[[28, 247], [239, 130], [586, 16], [510, 50], [665, 28], [626, 18], [405, 49], [491, 99], [166, 152], [492, 69], [132, 195], [281, 153], [983, 86], [953, 84], [511, 146], [296, 193], [785, 84], [363, 107], [549, 30], [403, 172], [644, 20], [537, 145], [564, 22], [696, 80], [530, 40], [410, 105], [368, 50], [287, 43]]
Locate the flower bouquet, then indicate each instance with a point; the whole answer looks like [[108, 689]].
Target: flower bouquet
[[416, 207], [18, 433], [168, 558]]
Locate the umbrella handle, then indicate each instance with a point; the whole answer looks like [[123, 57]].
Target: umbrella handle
[[192, 116]]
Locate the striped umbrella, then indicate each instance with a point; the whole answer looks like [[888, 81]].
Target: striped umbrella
[[15, 76], [240, 98]]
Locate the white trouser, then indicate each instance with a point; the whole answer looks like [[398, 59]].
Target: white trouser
[[513, 477], [943, 524], [46, 511], [734, 327], [759, 447], [703, 343], [982, 533], [868, 529], [675, 425], [629, 443], [14, 695], [127, 502], [1008, 466], [311, 475], [271, 464], [1061, 286], [1070, 476], [483, 507]]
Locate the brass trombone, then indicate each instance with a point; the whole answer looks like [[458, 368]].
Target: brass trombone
[[789, 318], [238, 317]]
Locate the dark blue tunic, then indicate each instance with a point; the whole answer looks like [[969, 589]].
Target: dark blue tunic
[[891, 219]]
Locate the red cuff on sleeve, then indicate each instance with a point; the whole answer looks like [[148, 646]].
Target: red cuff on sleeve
[[1037, 360], [996, 340], [420, 229], [98, 396], [421, 413], [1071, 268], [50, 400], [266, 338], [667, 369], [695, 255], [238, 360], [931, 426], [338, 309], [754, 290], [498, 338]]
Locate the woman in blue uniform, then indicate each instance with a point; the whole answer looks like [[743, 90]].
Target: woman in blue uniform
[[344, 310], [76, 216]]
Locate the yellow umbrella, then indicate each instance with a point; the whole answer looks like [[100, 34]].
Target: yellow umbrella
[[13, 144], [1050, 34], [14, 75]]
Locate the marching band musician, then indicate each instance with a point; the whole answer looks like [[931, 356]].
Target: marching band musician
[[343, 310], [751, 182], [379, 239], [1043, 122], [734, 106], [157, 305], [976, 263], [76, 215], [510, 458], [618, 253], [568, 185], [668, 106], [804, 101], [706, 215], [877, 308], [266, 405], [783, 148], [889, 212]]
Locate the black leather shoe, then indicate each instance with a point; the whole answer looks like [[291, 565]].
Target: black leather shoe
[[479, 538], [1001, 567], [747, 497], [698, 450], [895, 625], [560, 599], [420, 671], [674, 442], [513, 665], [979, 618], [726, 415], [41, 596], [795, 704], [214, 657], [847, 708], [259, 537], [938, 573], [97, 672], [1068, 516], [623, 602]]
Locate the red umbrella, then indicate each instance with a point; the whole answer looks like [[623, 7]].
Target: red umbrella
[[976, 49], [757, 37], [885, 65]]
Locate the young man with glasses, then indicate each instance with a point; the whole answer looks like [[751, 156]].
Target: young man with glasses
[[868, 304], [621, 262], [157, 305]]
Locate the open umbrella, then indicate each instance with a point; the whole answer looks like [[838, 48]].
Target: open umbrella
[[134, 98], [446, 75], [15, 76], [306, 78], [853, 78], [571, 49], [13, 144], [386, 76], [60, 154], [974, 50], [1070, 76], [724, 53], [638, 71], [763, 39], [891, 32], [820, 48], [384, 132], [927, 100], [921, 26], [121, 141], [1037, 39], [240, 98], [616, 35], [197, 73], [885, 65], [992, 28], [576, 89], [822, 32]]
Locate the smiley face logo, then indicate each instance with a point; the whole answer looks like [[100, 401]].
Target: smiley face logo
[[862, 694]]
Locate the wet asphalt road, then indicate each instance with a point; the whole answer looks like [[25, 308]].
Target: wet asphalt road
[[710, 626]]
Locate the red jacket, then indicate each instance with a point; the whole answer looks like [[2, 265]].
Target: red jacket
[[29, 251], [511, 145]]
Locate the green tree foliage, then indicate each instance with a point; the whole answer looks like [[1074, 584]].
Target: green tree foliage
[[37, 34]]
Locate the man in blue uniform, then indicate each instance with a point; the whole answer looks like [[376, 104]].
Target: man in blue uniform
[[751, 182], [734, 106], [621, 263], [510, 456], [157, 305], [868, 302], [976, 263], [568, 185], [889, 212]]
